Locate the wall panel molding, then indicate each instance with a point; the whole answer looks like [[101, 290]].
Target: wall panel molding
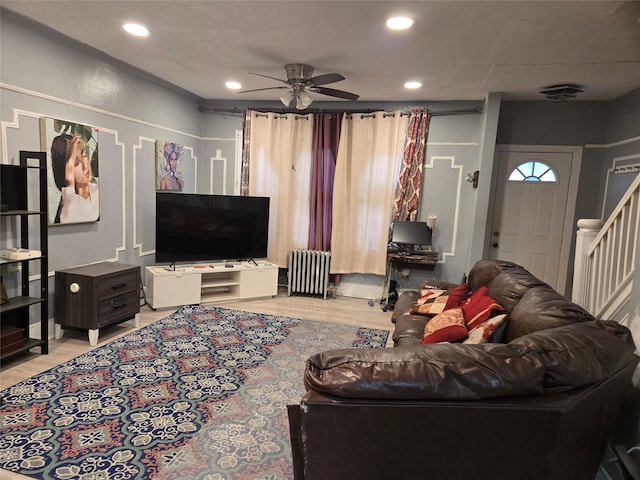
[[619, 143], [430, 164], [89, 108]]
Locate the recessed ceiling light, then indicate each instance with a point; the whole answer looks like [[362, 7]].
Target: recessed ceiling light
[[136, 29], [233, 85], [412, 85], [399, 23]]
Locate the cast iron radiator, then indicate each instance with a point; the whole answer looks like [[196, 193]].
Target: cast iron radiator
[[309, 272]]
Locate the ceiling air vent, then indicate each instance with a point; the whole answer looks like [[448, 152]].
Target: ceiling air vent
[[561, 93]]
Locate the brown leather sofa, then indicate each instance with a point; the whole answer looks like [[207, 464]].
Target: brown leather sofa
[[540, 405]]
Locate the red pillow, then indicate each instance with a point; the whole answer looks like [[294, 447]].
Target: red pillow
[[447, 326], [434, 302], [457, 295], [479, 308]]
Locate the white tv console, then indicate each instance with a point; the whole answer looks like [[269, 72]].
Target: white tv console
[[209, 282]]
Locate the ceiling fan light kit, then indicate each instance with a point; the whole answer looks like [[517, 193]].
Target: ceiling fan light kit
[[300, 82], [304, 100], [286, 99]]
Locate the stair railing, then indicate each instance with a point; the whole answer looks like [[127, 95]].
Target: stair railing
[[606, 257]]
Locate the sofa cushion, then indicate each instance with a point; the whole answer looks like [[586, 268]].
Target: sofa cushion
[[484, 271], [541, 308], [479, 308], [508, 287], [409, 326], [442, 371], [580, 353], [447, 326], [404, 303]]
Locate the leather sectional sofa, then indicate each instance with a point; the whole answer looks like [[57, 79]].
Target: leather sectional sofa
[[539, 405]]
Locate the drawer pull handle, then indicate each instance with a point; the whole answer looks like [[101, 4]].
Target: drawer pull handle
[[118, 306], [119, 285]]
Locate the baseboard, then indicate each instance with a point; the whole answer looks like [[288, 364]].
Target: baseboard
[[34, 329], [358, 291]]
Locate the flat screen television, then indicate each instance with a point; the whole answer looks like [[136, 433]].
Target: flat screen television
[[194, 228], [411, 234]]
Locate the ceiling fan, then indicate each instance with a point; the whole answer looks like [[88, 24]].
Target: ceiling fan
[[299, 82]]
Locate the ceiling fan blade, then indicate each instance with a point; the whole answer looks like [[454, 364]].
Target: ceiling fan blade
[[260, 89], [336, 93], [326, 78], [272, 78]]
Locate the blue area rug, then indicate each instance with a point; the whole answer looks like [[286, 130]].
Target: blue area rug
[[201, 394]]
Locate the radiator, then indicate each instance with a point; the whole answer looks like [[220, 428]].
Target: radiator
[[309, 272]]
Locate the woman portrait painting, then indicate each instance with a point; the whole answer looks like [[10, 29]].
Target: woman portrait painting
[[73, 188], [80, 196], [169, 166]]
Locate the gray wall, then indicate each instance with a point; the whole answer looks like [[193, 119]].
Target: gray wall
[[455, 146], [47, 75], [622, 149], [609, 133], [569, 124]]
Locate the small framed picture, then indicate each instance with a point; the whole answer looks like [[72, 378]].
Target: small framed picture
[[169, 162]]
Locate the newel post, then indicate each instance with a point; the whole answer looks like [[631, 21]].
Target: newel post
[[588, 230]]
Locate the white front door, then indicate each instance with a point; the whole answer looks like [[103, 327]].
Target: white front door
[[531, 217]]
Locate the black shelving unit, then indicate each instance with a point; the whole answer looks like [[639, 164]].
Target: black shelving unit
[[14, 194]]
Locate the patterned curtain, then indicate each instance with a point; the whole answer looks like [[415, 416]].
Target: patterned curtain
[[326, 135], [246, 142], [407, 198]]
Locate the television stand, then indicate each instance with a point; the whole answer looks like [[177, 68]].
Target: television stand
[[209, 283]]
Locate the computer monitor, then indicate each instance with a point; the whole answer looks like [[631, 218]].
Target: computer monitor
[[411, 233]]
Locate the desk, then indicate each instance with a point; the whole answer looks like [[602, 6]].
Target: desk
[[397, 261], [413, 262]]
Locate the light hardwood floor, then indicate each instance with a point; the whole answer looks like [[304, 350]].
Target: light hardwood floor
[[352, 311]]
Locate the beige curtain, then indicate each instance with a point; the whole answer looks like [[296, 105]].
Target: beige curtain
[[280, 168], [367, 168]]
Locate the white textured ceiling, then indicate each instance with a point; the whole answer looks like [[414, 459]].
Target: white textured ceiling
[[459, 50]]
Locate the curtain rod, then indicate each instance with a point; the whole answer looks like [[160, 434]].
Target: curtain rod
[[239, 112]]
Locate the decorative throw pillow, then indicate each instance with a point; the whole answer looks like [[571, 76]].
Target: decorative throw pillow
[[427, 288], [490, 331], [479, 308], [447, 326], [429, 295], [434, 302]]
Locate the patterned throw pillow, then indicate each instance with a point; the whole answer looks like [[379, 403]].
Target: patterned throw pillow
[[479, 308], [447, 326], [490, 331], [433, 302]]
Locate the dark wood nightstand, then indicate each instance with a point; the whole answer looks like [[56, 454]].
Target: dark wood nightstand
[[95, 296]]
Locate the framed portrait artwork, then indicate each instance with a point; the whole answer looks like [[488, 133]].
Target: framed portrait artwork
[[169, 166], [72, 163]]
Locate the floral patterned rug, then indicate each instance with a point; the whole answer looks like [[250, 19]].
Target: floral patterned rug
[[201, 394]]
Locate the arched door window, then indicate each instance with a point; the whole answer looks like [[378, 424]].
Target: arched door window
[[533, 171]]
